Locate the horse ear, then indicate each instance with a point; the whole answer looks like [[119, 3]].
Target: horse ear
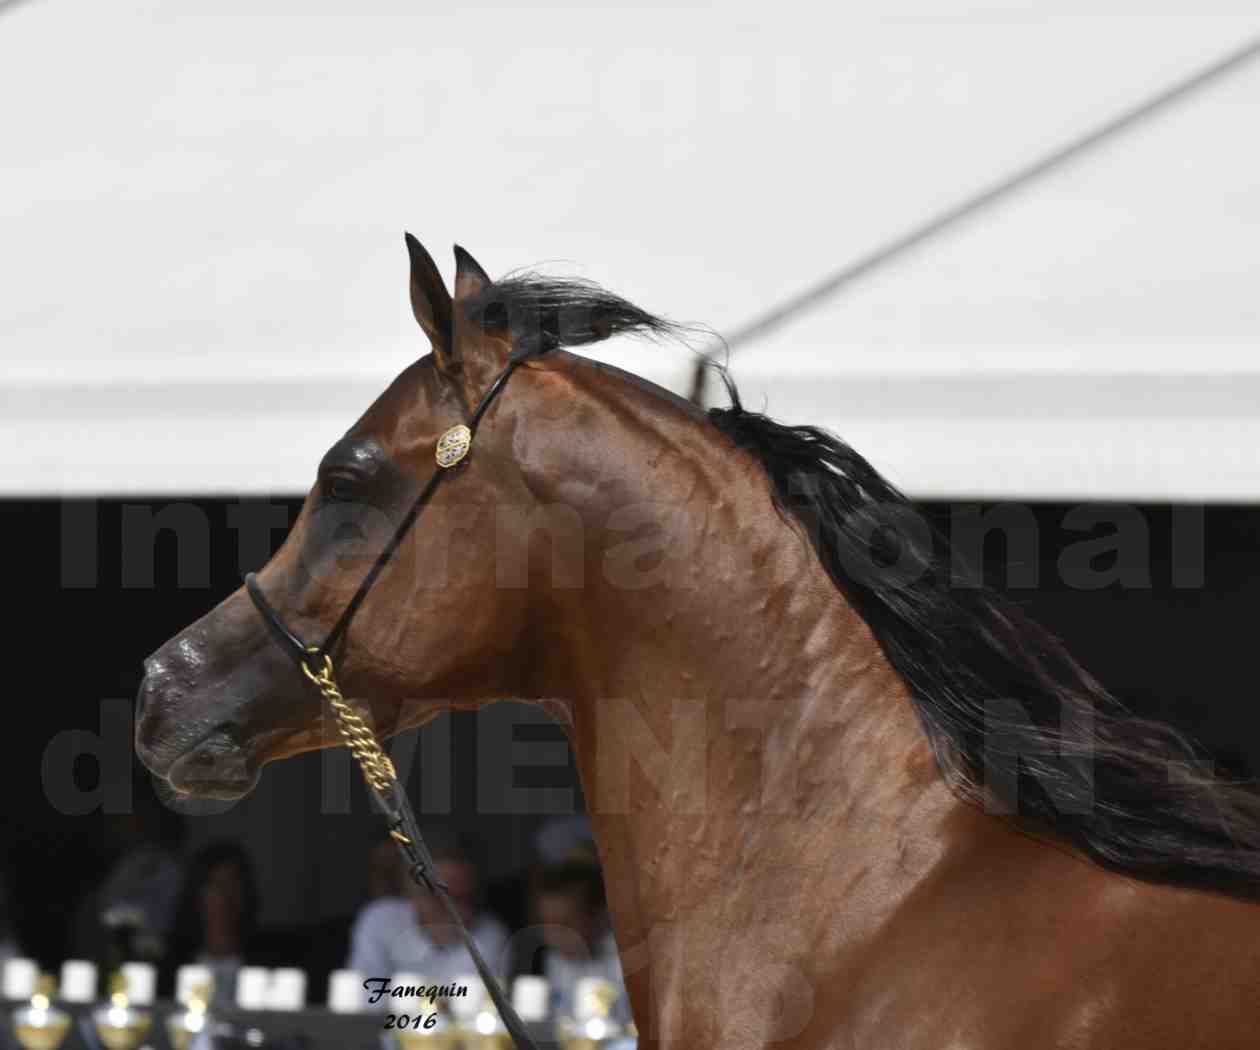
[[430, 301], [480, 353], [470, 278]]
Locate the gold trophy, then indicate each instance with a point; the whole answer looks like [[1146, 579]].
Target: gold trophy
[[477, 1023], [593, 1026], [442, 1036], [414, 1036], [39, 1025], [183, 1026], [485, 1032], [477, 1026], [120, 1026]]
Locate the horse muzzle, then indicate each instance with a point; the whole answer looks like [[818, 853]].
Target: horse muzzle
[[183, 736]]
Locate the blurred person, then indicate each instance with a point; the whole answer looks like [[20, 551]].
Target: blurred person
[[412, 932], [576, 937], [556, 840], [128, 915], [216, 920]]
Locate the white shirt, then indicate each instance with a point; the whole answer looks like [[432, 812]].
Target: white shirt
[[387, 939]]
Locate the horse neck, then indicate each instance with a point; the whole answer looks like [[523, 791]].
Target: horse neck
[[744, 746]]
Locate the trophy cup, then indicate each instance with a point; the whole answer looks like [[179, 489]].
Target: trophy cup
[[477, 1021], [441, 1034], [183, 1026], [39, 1025], [119, 1025], [592, 1025], [485, 1031]]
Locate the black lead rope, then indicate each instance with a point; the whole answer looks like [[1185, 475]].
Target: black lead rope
[[316, 663], [396, 808]]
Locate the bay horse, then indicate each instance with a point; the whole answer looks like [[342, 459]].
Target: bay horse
[[843, 799]]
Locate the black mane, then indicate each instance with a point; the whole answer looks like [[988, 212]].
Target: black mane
[[544, 313], [1011, 717]]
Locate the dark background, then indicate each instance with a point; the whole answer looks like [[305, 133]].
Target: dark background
[[1173, 634]]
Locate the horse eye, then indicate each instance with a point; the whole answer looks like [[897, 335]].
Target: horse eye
[[339, 489]]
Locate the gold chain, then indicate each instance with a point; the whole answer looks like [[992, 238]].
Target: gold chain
[[357, 734]]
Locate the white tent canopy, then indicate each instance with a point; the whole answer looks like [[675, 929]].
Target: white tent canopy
[[204, 280]]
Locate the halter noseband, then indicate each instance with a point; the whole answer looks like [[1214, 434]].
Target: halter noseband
[[316, 663]]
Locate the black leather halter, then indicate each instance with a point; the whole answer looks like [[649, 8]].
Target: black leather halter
[[315, 661]]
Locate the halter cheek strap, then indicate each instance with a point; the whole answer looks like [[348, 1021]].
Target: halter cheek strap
[[316, 664], [452, 448]]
